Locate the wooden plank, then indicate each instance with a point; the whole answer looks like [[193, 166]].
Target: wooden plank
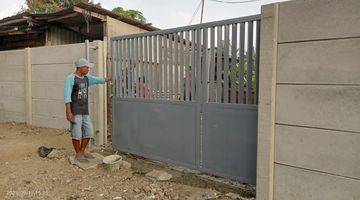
[[242, 63], [226, 65], [249, 63], [233, 62]]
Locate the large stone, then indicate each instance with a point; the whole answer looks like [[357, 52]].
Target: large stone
[[93, 163], [159, 175]]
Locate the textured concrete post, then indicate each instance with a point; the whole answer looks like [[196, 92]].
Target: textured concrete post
[[267, 95], [28, 87], [100, 98]]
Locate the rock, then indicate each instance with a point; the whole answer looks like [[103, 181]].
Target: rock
[[233, 196], [117, 198], [208, 196], [147, 189], [159, 175], [136, 190], [125, 165]]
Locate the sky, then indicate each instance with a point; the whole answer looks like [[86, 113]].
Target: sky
[[167, 13]]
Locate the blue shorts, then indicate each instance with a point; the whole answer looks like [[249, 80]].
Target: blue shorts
[[82, 128]]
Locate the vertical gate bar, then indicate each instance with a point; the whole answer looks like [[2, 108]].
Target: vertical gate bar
[[116, 63], [193, 63], [132, 68], [171, 67], [226, 65], [151, 68], [249, 62], [128, 68], [187, 66], [176, 66], [212, 65], [114, 66], [146, 79], [242, 63], [137, 50], [198, 65], [233, 62], [166, 66], [219, 61], [141, 67], [119, 75], [204, 67], [161, 94], [257, 61], [181, 42], [134, 60], [123, 68], [156, 67]]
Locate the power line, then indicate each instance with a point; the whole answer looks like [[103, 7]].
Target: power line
[[234, 2], [196, 10]]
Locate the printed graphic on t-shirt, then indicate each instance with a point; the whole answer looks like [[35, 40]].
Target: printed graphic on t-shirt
[[82, 94]]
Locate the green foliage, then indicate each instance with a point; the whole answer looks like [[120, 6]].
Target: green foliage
[[50, 6], [131, 14]]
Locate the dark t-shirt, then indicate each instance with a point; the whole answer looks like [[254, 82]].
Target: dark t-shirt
[[79, 96]]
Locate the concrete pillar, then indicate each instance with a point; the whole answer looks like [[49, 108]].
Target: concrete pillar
[[28, 87], [267, 95]]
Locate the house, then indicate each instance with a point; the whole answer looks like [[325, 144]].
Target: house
[[72, 25]]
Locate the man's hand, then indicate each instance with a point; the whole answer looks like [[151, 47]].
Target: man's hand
[[70, 117], [107, 79]]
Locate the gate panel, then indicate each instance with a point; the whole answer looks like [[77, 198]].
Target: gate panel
[[161, 130], [229, 141], [188, 95]]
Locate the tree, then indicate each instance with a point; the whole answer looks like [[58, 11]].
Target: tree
[[49, 6], [132, 14]]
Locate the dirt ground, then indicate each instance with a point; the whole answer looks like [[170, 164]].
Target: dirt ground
[[25, 175]]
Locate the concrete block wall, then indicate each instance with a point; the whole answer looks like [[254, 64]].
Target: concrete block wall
[[309, 113], [12, 86], [32, 86]]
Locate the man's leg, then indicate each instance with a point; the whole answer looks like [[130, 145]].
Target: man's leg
[[76, 144], [76, 138], [87, 134]]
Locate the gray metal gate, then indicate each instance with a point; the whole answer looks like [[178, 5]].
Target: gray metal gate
[[188, 96]]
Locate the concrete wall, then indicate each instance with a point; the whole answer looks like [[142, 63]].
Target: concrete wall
[[32, 85], [115, 27], [309, 114], [12, 85]]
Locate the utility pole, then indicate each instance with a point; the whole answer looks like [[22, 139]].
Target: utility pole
[[202, 10]]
